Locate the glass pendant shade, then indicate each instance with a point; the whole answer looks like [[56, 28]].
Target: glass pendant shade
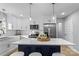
[[30, 12], [53, 17], [30, 18]]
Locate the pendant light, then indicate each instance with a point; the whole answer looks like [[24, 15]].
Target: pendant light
[[30, 11], [54, 17]]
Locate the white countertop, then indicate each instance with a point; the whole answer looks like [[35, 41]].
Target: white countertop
[[25, 36], [33, 41]]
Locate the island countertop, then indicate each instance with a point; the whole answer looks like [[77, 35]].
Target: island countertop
[[34, 41]]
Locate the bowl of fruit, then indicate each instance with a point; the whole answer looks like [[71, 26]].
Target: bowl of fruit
[[42, 37]]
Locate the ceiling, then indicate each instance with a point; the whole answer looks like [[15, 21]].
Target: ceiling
[[39, 10]]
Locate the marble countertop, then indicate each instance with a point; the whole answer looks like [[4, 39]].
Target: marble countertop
[[26, 36], [34, 41]]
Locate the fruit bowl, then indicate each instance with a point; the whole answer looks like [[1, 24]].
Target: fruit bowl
[[42, 38]]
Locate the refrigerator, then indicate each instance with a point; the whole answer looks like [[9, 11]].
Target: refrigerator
[[50, 29]]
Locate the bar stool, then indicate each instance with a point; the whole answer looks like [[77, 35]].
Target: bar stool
[[35, 54], [58, 54]]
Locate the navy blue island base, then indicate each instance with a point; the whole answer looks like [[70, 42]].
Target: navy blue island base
[[45, 50]]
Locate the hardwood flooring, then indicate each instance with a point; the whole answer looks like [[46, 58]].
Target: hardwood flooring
[[68, 52]]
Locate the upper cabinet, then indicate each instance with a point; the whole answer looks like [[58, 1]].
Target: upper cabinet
[[16, 23]]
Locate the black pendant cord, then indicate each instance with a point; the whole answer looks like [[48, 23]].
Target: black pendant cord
[[30, 8], [53, 8]]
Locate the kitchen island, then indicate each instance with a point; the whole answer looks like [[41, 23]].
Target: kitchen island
[[30, 45]]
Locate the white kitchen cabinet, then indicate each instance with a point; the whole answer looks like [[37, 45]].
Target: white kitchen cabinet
[[17, 23]]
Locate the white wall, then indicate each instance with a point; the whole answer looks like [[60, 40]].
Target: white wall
[[72, 29], [76, 29], [68, 29], [75, 18]]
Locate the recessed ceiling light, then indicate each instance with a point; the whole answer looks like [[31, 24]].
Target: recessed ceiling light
[[21, 15], [63, 13]]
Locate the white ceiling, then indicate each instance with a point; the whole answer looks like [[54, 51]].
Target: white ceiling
[[39, 10]]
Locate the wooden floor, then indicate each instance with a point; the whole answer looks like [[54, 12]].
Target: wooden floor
[[68, 52]]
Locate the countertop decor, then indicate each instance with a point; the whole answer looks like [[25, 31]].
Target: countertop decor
[[43, 38]]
